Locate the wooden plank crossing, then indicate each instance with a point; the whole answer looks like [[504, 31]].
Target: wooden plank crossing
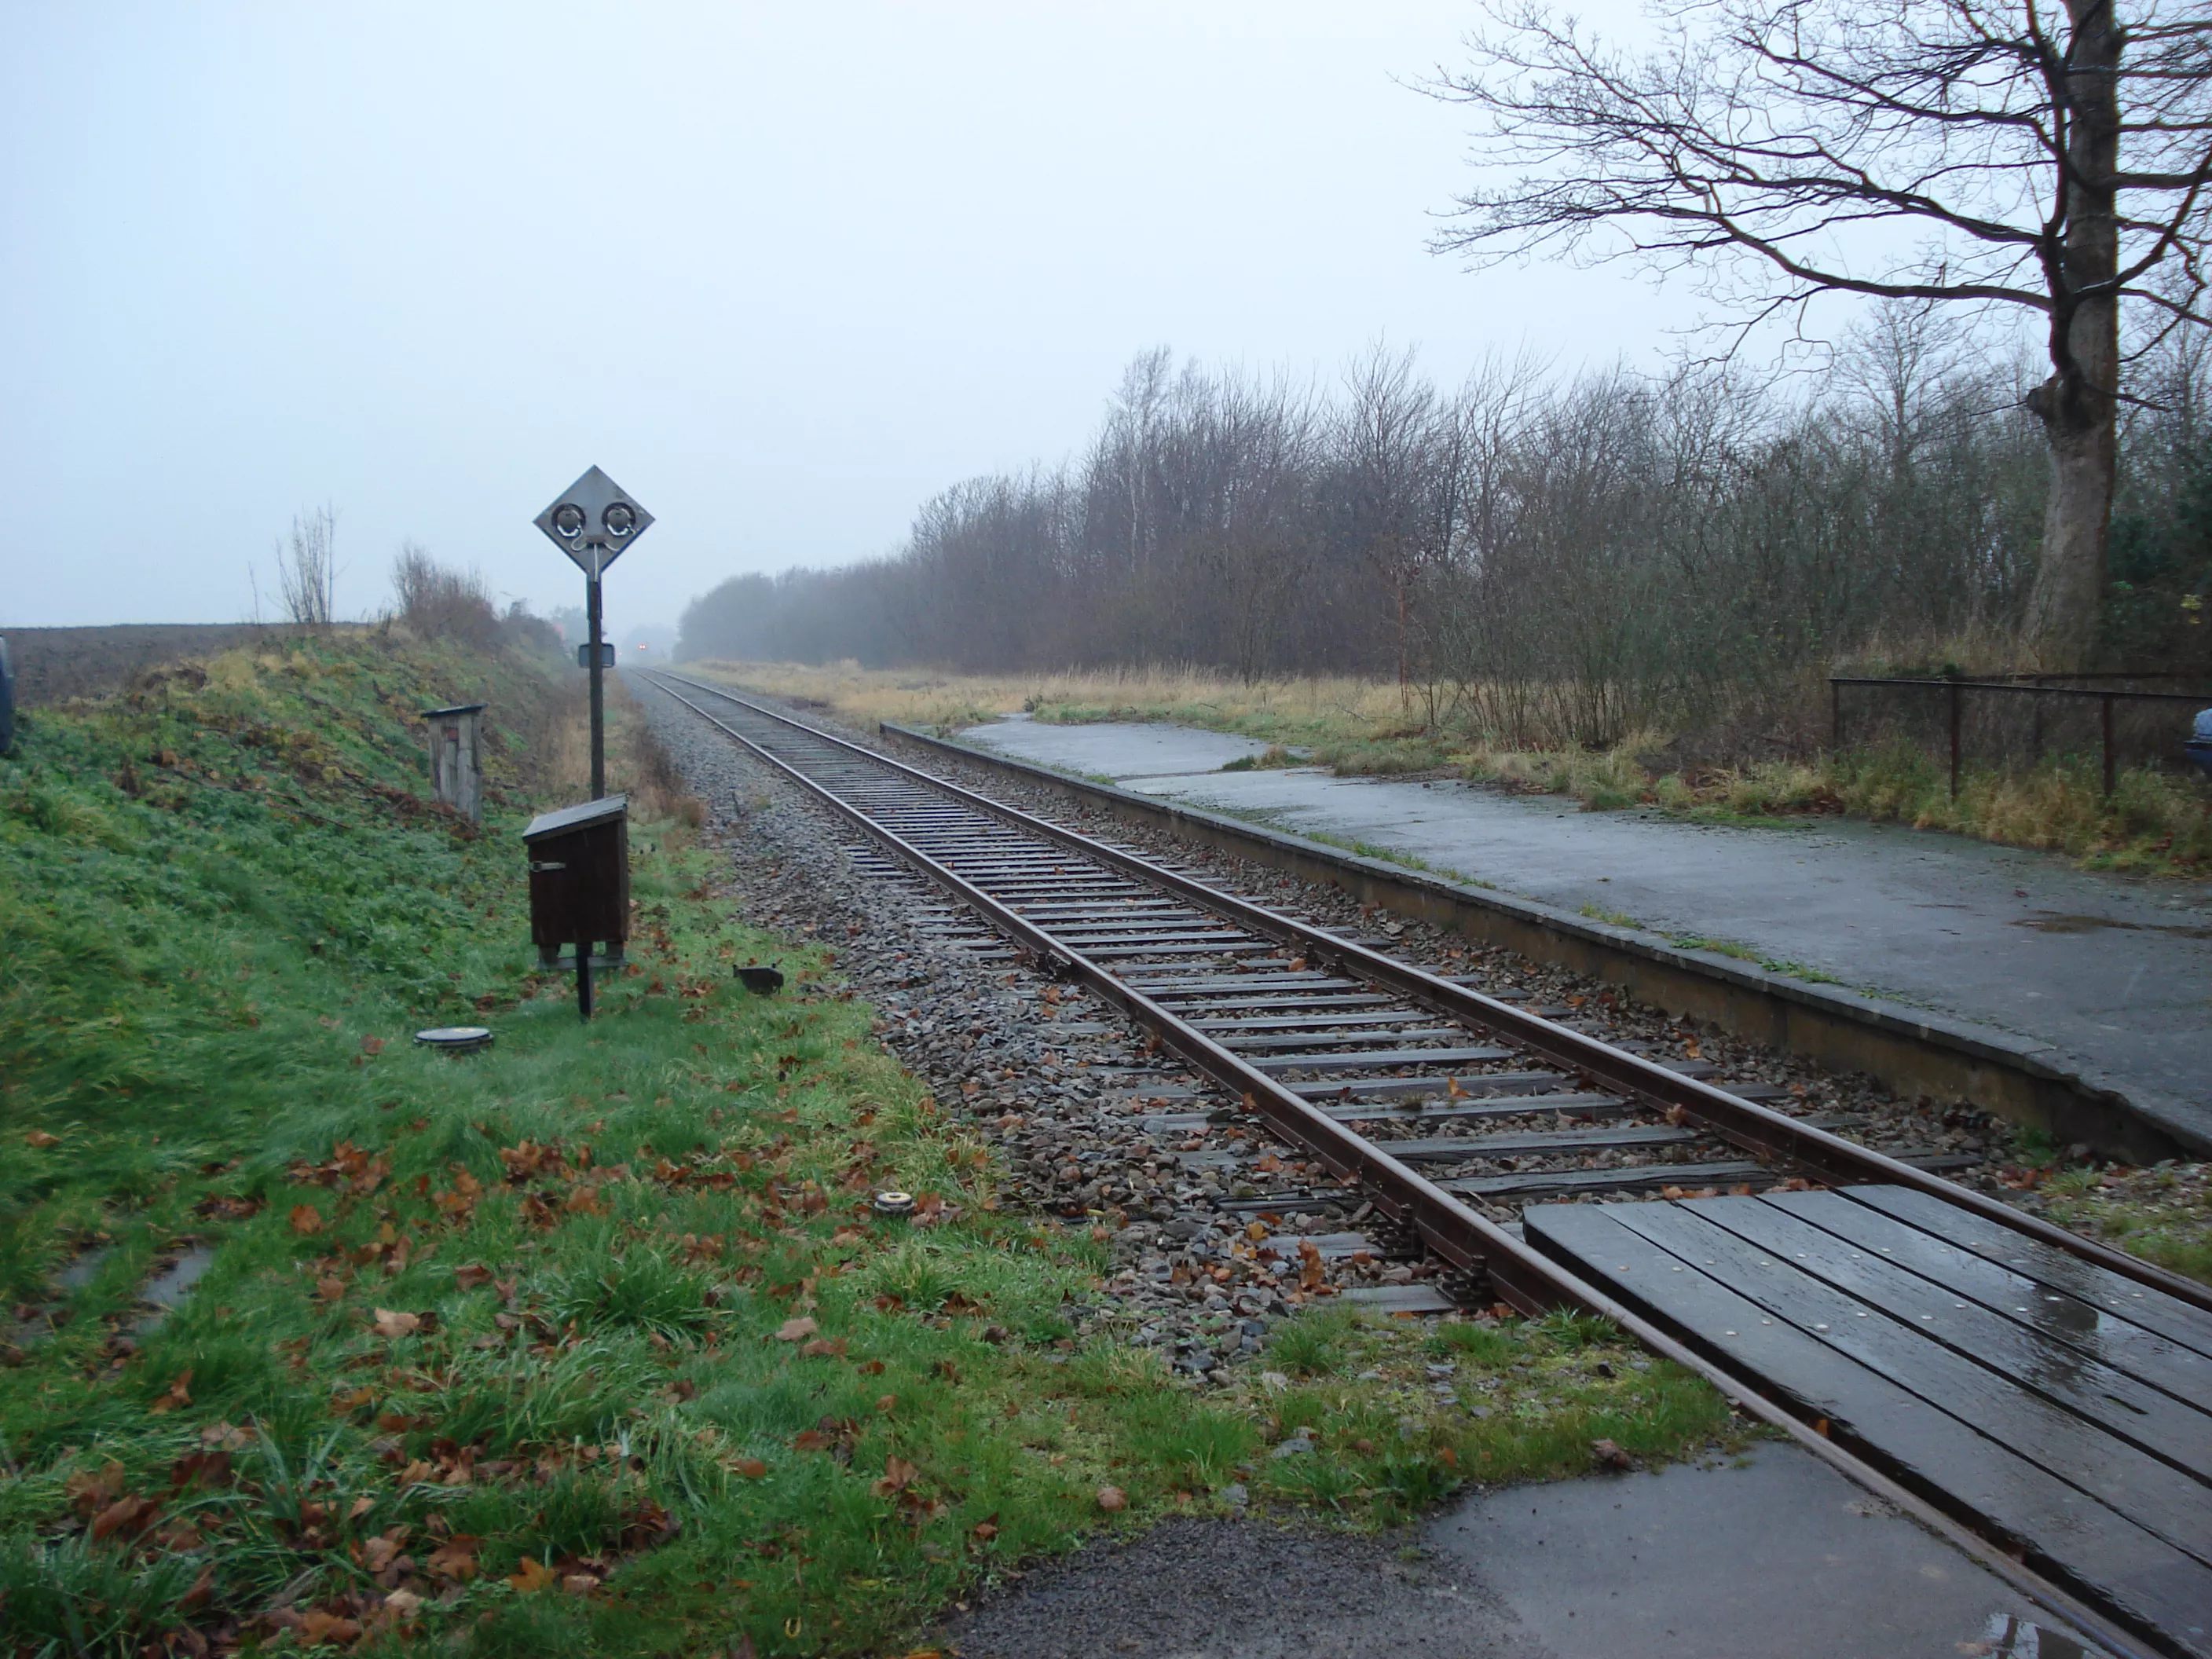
[[2062, 1411]]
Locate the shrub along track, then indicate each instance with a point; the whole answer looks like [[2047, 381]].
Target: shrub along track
[[1369, 1071]]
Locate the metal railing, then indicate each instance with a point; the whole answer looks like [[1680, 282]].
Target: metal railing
[[2022, 717]]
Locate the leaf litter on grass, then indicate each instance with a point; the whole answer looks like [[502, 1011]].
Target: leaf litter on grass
[[591, 1340]]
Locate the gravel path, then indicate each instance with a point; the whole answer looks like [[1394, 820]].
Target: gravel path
[[1240, 1590]]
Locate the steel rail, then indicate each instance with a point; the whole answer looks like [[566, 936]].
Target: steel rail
[[1760, 1129], [1532, 1282]]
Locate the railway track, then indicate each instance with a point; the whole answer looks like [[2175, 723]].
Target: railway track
[[1453, 1113]]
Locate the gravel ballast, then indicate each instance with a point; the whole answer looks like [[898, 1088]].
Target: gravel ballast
[[1095, 1129]]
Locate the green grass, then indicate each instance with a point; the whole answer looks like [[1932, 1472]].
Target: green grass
[[588, 1342], [1742, 953], [2163, 1213], [1273, 758], [1518, 1400], [1611, 917]]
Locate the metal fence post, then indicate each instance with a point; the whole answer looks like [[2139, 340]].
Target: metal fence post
[[1954, 739], [1835, 714]]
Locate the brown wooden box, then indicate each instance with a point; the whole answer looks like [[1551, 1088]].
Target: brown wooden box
[[579, 877]]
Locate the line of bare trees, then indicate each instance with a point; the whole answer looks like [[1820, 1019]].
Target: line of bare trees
[[1563, 558]]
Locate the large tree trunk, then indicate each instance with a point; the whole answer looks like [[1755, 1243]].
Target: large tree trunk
[[2061, 632], [2079, 404]]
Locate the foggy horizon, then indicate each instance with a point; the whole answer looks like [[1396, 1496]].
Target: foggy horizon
[[785, 279]]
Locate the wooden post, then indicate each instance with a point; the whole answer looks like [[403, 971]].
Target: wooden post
[[456, 758], [1954, 739], [2107, 700]]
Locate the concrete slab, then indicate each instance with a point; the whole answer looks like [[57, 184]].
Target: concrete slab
[[1119, 751], [2114, 972], [1776, 1554]]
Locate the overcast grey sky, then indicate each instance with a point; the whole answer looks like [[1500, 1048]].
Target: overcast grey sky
[[784, 271]]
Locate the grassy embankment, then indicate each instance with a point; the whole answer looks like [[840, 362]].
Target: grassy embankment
[[2156, 822], [588, 1343]]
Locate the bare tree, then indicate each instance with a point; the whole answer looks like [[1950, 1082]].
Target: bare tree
[[1388, 432], [439, 603], [1982, 151], [307, 569]]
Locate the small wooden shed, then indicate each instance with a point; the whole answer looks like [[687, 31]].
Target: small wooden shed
[[580, 879], [456, 764]]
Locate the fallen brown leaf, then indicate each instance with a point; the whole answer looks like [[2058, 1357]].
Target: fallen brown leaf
[[454, 1558], [306, 1219], [319, 1627], [533, 1576], [1608, 1454], [1112, 1497], [392, 1324], [796, 1330], [180, 1394], [132, 1511], [898, 1476], [92, 1492], [40, 1138]]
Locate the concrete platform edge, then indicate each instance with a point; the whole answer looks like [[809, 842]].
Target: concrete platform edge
[[1910, 1050]]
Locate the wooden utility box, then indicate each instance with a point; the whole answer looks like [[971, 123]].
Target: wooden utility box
[[579, 880], [456, 762]]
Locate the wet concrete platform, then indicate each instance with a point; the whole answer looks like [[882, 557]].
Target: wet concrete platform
[[2114, 973], [1768, 1556], [1774, 1556]]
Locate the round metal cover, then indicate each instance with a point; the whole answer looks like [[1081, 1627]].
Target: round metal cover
[[894, 1203], [455, 1039]]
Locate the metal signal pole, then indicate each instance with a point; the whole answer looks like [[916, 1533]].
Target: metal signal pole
[[598, 683], [593, 521]]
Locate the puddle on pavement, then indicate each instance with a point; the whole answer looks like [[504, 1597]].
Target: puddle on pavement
[[2006, 1637], [2057, 921], [169, 1287]]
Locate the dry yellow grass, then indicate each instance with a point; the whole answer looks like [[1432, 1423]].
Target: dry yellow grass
[[1311, 710], [2154, 822]]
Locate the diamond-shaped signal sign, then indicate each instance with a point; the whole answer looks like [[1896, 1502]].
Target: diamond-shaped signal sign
[[592, 520]]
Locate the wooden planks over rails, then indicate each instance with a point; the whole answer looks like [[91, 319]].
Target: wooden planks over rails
[[2047, 1403]]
